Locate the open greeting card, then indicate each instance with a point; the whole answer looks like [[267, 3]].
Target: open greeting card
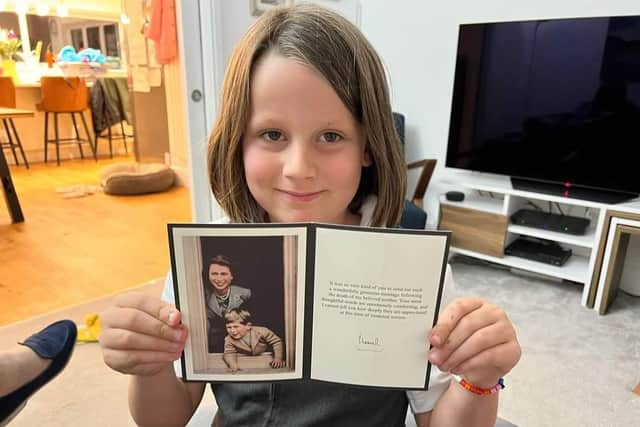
[[271, 302]]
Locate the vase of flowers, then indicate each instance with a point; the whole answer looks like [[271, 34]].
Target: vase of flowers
[[9, 45]]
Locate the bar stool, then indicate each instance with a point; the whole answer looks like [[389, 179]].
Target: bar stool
[[8, 100], [62, 95], [110, 137]]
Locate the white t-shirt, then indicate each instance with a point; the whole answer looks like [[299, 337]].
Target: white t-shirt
[[419, 400]]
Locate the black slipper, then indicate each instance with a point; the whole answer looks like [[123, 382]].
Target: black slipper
[[55, 342]]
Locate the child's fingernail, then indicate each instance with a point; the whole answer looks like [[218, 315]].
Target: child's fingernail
[[172, 316], [178, 335], [436, 339]]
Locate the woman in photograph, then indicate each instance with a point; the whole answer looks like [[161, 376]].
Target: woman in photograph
[[220, 297]]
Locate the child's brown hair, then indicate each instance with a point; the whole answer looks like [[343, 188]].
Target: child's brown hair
[[337, 50], [235, 315]]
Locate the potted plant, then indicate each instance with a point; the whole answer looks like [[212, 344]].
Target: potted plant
[[9, 45]]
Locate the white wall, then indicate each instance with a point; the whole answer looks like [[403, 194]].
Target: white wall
[[418, 40], [94, 8], [90, 9], [236, 18]]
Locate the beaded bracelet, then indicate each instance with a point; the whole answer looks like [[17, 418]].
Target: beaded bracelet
[[482, 391]]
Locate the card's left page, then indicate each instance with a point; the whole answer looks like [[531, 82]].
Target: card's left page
[[241, 292]]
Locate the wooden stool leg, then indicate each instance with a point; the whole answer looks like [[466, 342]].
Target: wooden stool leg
[[17, 137], [95, 144], [75, 128], [110, 142], [124, 138], [10, 140], [57, 137], [86, 129], [10, 195], [46, 135]]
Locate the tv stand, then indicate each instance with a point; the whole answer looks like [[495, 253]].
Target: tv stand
[[482, 228], [572, 191]]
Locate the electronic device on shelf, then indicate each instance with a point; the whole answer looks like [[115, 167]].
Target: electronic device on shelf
[[534, 101], [454, 196], [540, 250], [551, 221]]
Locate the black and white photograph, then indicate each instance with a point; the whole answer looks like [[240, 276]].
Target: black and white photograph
[[239, 293]]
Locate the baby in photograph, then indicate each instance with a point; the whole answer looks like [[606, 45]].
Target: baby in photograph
[[244, 338]]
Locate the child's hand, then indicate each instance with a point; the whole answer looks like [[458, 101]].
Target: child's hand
[[141, 334], [476, 340], [277, 363]]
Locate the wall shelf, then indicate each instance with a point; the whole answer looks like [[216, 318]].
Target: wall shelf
[[575, 269], [587, 240]]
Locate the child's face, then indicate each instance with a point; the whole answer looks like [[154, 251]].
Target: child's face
[[237, 330], [302, 149], [220, 277]]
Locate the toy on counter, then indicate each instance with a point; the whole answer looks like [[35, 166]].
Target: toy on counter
[[68, 54], [50, 57], [86, 63]]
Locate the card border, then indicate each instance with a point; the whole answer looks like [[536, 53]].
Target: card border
[[311, 228]]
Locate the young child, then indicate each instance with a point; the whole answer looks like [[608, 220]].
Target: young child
[[244, 338], [305, 133]]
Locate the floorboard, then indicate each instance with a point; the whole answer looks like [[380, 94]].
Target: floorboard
[[71, 250]]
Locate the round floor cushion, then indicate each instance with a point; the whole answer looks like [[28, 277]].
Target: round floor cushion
[[136, 178]]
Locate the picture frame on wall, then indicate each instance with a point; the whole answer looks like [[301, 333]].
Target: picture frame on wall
[[258, 7]]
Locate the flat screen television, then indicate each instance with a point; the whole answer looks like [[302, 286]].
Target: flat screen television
[[554, 104]]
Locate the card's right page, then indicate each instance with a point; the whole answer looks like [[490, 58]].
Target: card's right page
[[376, 296]]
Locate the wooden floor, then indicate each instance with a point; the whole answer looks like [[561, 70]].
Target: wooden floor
[[73, 250]]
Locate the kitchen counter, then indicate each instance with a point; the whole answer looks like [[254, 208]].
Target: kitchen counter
[[28, 82]]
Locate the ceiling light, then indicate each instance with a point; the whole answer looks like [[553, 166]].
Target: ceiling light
[[124, 19], [62, 10], [42, 9]]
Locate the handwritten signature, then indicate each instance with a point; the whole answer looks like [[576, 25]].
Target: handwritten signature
[[375, 341]]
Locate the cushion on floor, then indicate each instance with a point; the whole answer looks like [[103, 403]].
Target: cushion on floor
[[136, 178]]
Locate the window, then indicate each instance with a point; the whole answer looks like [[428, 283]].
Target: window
[[38, 33], [77, 39], [112, 46], [9, 21], [94, 34], [58, 32], [93, 38]]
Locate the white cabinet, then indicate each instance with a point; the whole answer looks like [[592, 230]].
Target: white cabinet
[[495, 194]]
